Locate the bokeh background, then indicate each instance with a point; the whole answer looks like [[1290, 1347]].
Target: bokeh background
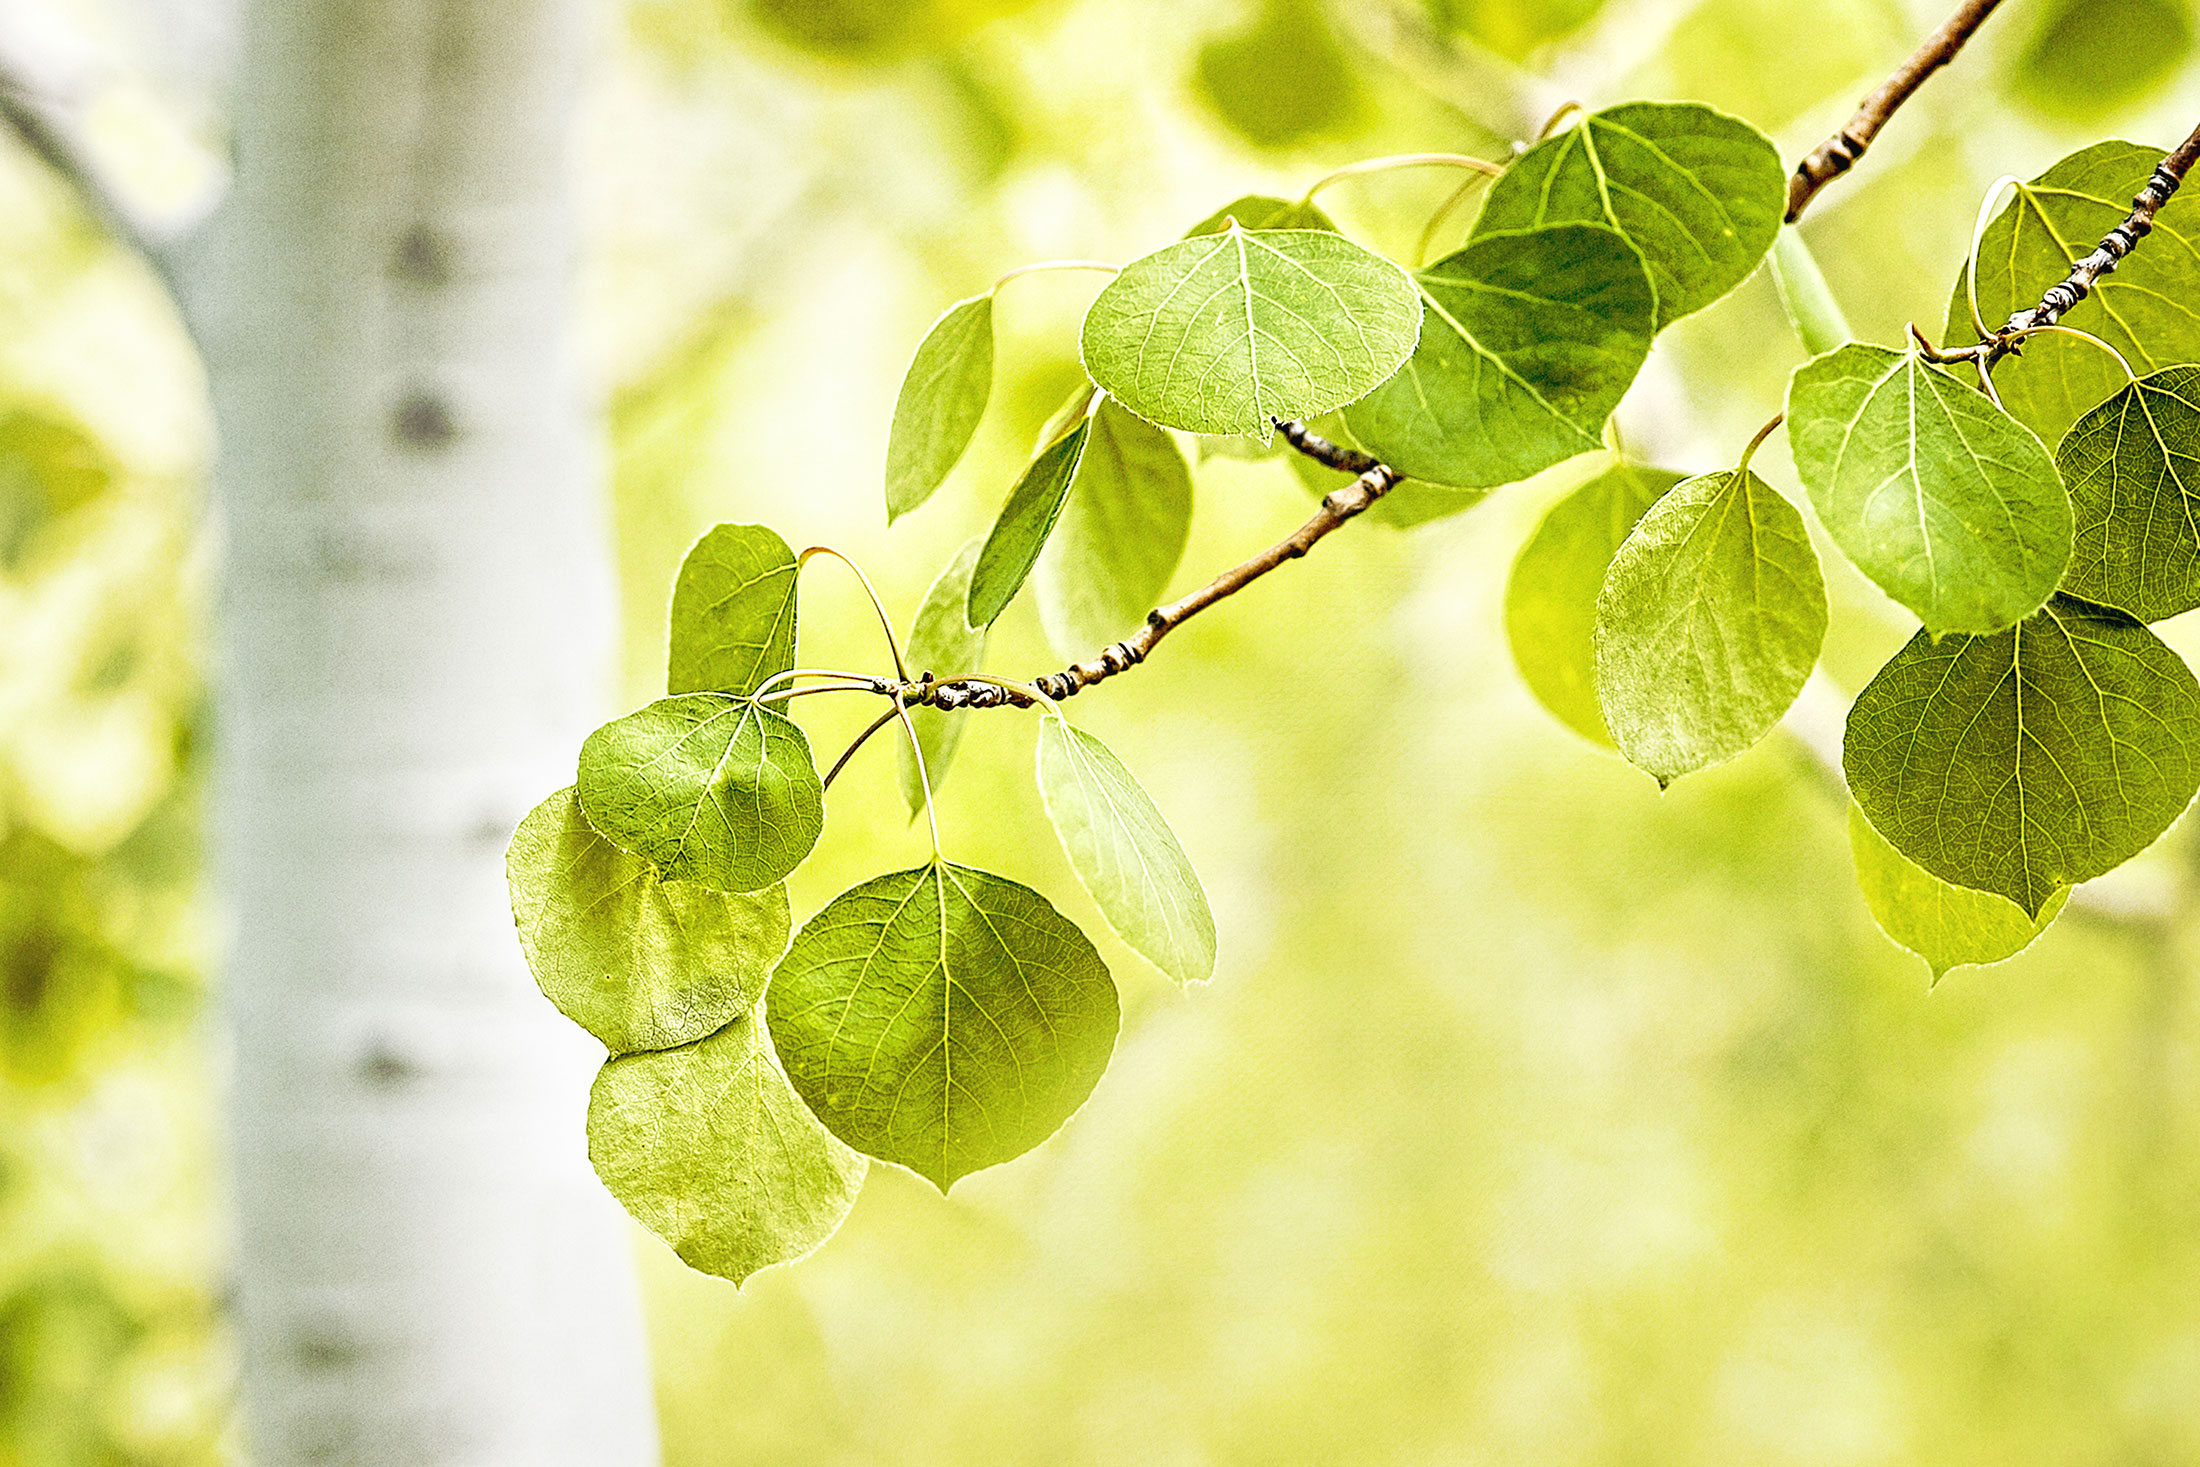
[[1531, 1117]]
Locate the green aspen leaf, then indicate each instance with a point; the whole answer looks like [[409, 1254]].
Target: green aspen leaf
[[1125, 853], [1013, 547], [709, 788], [942, 642], [1227, 332], [942, 398], [1263, 211], [2149, 309], [733, 612], [1699, 193], [637, 961], [1528, 341], [1551, 600], [710, 1149], [943, 1019], [2029, 760], [1943, 499], [1945, 925], [2132, 466], [1711, 617], [1121, 533]]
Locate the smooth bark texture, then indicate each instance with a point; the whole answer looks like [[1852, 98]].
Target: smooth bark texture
[[414, 636]]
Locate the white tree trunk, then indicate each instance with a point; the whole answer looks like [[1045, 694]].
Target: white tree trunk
[[414, 636]]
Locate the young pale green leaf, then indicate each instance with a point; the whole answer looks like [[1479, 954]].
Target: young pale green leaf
[[2132, 466], [1551, 600], [2146, 309], [712, 1151], [733, 615], [942, 642], [1013, 547], [942, 1018], [1943, 499], [1699, 193], [1528, 341], [1227, 332], [941, 401], [637, 961], [1710, 619], [1121, 533], [2029, 760], [1263, 211], [1945, 925], [1125, 853], [708, 788]]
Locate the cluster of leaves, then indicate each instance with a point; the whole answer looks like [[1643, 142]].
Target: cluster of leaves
[[947, 1019]]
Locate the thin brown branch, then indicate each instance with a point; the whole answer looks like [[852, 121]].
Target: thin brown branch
[[1375, 479], [1841, 152]]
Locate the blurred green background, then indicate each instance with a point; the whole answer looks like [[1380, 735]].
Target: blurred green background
[[1531, 1117]]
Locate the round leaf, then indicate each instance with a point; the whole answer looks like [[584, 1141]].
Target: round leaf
[[2030, 760], [1225, 333], [1551, 600], [709, 788], [942, 398], [1943, 499], [1121, 534], [2132, 466], [1528, 341], [711, 1150], [1125, 853], [639, 962], [1945, 925], [942, 1018], [733, 613], [1710, 619], [942, 642]]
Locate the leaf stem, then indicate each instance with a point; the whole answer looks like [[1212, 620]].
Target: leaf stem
[[763, 689], [1758, 442], [1811, 308], [860, 740], [924, 777], [1978, 235], [1400, 160], [1037, 266], [885, 623], [1443, 212]]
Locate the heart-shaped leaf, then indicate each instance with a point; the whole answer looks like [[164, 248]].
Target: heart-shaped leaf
[[944, 643], [2029, 760], [712, 1151], [942, 398], [1945, 925], [1013, 547], [706, 787], [942, 1018], [1943, 499], [1711, 617], [1551, 600], [639, 962], [1125, 853], [2132, 466], [1121, 534], [733, 612], [1528, 341], [1225, 333], [2149, 309], [1698, 193]]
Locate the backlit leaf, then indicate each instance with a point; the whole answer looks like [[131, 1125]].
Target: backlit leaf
[[2149, 309], [1013, 547], [1711, 617], [1528, 341], [637, 961], [1125, 853], [1225, 332], [1551, 600], [733, 612], [712, 1151], [2132, 466], [942, 1018], [1945, 925], [942, 398], [1944, 500], [1699, 193], [709, 788], [2031, 759], [941, 641], [1121, 534]]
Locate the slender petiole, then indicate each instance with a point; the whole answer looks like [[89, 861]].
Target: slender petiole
[[885, 622], [2082, 336], [1444, 210], [1978, 235], [924, 777], [1399, 160], [1035, 268], [1758, 442], [763, 689], [860, 740]]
